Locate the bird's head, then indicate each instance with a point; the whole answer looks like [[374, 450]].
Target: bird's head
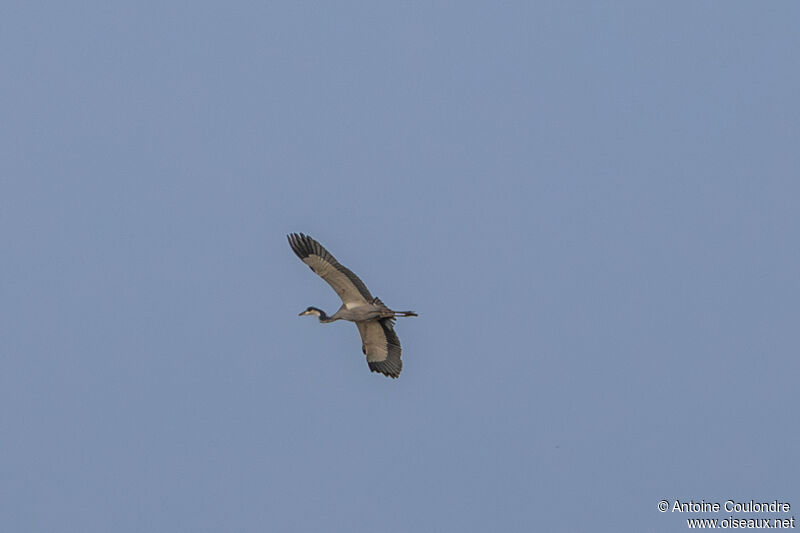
[[313, 311]]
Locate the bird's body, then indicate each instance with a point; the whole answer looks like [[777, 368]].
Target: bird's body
[[357, 313], [374, 320]]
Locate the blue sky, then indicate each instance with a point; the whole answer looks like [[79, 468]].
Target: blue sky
[[592, 207]]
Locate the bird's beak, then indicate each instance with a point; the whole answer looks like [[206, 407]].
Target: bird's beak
[[303, 313]]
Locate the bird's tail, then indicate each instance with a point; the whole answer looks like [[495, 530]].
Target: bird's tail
[[388, 312]]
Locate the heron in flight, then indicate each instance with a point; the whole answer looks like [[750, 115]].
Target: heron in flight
[[375, 321]]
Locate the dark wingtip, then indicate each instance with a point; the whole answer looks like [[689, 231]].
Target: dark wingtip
[[388, 370], [301, 244]]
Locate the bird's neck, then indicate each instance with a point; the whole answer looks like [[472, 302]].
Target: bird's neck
[[323, 317]]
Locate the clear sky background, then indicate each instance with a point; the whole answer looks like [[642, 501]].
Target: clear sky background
[[593, 207]]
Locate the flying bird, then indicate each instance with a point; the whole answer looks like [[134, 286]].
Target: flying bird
[[375, 321]]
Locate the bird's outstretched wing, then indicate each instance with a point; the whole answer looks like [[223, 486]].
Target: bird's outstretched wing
[[381, 346], [346, 284]]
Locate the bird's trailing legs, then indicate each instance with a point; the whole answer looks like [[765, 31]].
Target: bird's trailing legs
[[388, 313]]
